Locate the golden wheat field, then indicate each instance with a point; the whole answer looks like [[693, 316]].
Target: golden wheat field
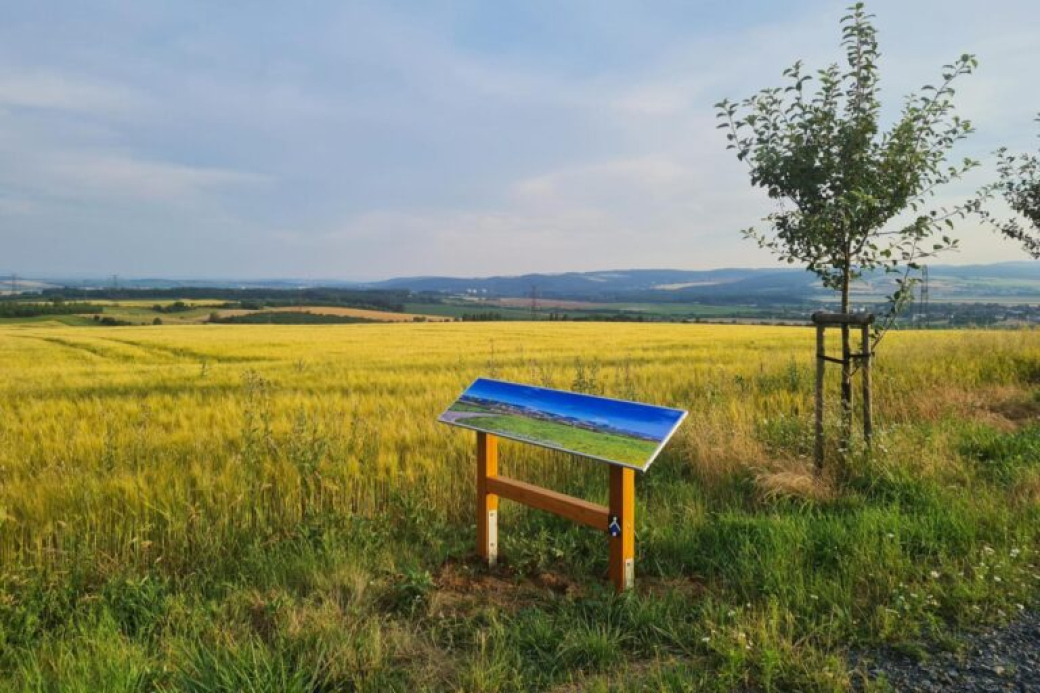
[[274, 508], [143, 444]]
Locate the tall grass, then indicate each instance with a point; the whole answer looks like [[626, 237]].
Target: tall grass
[[156, 481]]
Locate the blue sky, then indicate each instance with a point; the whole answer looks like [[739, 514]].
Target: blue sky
[[365, 140], [647, 420]]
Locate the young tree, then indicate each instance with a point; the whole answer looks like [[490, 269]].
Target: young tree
[[852, 198], [1019, 186]]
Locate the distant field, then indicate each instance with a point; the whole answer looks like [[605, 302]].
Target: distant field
[[40, 320], [288, 317], [148, 303], [692, 310], [374, 315], [457, 310], [658, 309], [519, 309], [141, 312], [544, 303]]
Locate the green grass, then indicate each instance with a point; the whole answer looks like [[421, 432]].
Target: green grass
[[1002, 457], [144, 315], [780, 591]]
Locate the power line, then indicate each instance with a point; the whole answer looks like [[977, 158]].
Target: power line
[[534, 302]]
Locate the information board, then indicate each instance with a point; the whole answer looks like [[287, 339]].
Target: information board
[[624, 433]]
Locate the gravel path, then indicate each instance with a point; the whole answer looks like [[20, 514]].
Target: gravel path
[[998, 659]]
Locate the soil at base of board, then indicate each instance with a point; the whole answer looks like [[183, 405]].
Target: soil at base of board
[[1005, 658]]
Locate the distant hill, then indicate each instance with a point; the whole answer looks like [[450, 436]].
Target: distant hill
[[1012, 280], [1009, 281], [585, 285]]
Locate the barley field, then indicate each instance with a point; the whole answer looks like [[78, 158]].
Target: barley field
[[216, 507]]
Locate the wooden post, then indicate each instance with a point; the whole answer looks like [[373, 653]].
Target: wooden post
[[623, 510], [868, 415], [847, 412], [487, 502], [845, 321], [821, 355]]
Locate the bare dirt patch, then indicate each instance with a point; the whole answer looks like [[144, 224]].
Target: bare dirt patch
[[689, 586], [1022, 411], [465, 586]]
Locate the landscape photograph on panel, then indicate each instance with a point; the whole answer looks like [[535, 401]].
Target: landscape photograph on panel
[[611, 430]]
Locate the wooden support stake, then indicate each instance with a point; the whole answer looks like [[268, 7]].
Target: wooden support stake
[[487, 502], [868, 414], [623, 510], [821, 361], [846, 390]]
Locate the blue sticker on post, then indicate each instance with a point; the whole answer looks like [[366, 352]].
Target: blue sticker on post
[[614, 527]]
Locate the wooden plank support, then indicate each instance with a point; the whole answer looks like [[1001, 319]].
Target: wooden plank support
[[623, 513], [618, 520], [836, 319], [487, 501], [574, 509]]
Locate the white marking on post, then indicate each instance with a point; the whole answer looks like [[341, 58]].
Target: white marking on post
[[492, 534]]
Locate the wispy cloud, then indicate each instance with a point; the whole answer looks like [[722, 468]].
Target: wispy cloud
[[370, 139], [40, 89], [112, 176]]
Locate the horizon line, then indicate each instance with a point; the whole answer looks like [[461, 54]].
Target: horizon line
[[84, 277]]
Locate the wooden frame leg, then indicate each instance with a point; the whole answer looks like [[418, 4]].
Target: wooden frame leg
[[487, 503], [623, 509]]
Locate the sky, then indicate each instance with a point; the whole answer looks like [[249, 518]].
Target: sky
[[358, 141]]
